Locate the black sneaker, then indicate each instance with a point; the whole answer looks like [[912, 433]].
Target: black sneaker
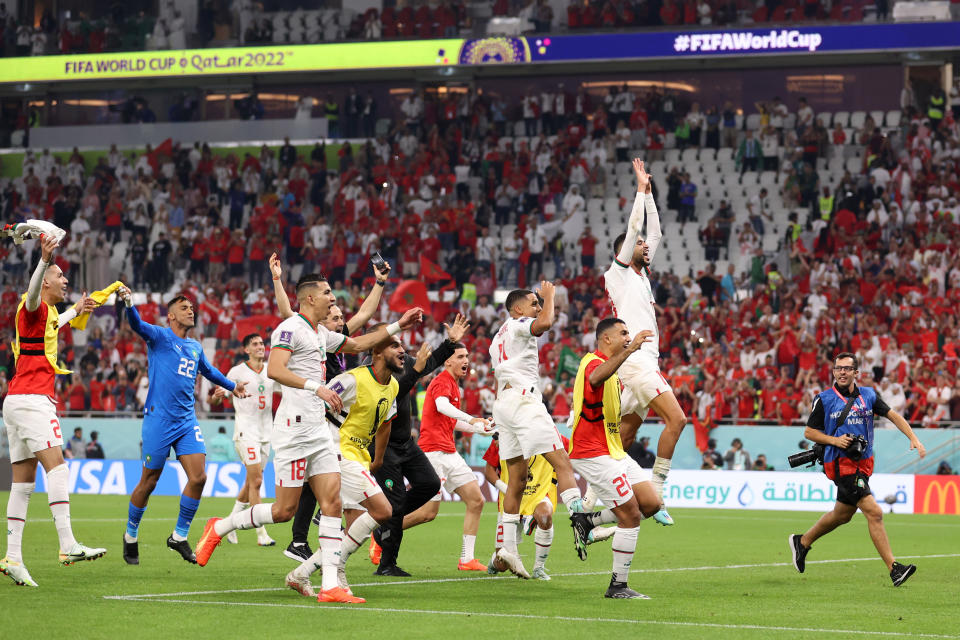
[[131, 551], [391, 570], [798, 551], [183, 548], [582, 523], [901, 572], [620, 590], [299, 551]]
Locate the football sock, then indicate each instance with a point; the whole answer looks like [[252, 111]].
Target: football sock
[[624, 544], [330, 550], [17, 517], [467, 548], [134, 515], [499, 541], [589, 498], [607, 516], [356, 534], [510, 524], [239, 506], [543, 538], [571, 498], [59, 496], [188, 509], [256, 516], [661, 467]]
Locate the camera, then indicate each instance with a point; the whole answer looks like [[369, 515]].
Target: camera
[[811, 457], [856, 448]]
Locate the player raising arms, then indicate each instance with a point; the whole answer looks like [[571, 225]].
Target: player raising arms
[[525, 426], [170, 420], [251, 427], [302, 442], [597, 452], [30, 414], [628, 285], [441, 416]]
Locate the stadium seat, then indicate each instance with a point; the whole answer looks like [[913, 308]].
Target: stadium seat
[[826, 118], [768, 178], [724, 153], [689, 156], [877, 117], [892, 119], [857, 118], [753, 121], [843, 117], [672, 158]]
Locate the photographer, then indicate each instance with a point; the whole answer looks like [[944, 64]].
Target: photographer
[[842, 421]]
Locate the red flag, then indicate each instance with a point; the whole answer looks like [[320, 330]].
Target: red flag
[[165, 148], [262, 324], [431, 272], [410, 294]]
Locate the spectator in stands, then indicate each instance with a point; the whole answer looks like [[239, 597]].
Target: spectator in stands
[[94, 450], [760, 464], [736, 457], [750, 154], [220, 447], [688, 200], [76, 447]]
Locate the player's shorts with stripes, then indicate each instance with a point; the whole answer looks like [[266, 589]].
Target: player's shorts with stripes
[[641, 384], [159, 435], [525, 426], [612, 479], [356, 484], [295, 463], [251, 452], [452, 470], [32, 425]]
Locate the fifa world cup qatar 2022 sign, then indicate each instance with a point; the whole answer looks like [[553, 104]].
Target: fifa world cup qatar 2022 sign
[[490, 51]]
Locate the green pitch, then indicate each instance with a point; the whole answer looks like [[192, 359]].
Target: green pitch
[[716, 574]]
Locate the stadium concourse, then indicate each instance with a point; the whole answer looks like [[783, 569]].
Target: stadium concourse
[[802, 234]]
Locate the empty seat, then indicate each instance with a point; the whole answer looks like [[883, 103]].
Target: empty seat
[[843, 117], [857, 118], [892, 119]]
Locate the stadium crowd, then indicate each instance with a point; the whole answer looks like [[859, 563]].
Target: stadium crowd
[[870, 265]]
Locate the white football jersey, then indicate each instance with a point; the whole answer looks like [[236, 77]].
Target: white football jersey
[[514, 354], [254, 415], [302, 414], [633, 301]]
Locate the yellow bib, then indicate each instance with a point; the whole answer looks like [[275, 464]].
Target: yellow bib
[[367, 413], [611, 408], [51, 334], [541, 483]]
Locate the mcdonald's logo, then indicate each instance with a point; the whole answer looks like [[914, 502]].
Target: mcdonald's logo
[[937, 494]]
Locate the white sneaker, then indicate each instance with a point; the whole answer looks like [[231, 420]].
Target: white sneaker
[[600, 534], [492, 565], [513, 562], [80, 552], [266, 541], [300, 585], [342, 579], [231, 537], [540, 573], [17, 572]]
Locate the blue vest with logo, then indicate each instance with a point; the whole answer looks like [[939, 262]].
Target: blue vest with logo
[[858, 422]]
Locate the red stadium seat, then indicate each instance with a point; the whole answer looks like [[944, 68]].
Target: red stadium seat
[[760, 15]]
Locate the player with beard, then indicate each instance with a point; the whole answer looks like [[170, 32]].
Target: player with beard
[[299, 549], [170, 420]]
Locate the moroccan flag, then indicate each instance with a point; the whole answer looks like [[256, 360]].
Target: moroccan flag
[[410, 294], [165, 148], [431, 272], [263, 324]]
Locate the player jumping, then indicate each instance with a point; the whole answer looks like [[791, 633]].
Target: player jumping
[[302, 442], [525, 426], [628, 285], [30, 415], [170, 420]]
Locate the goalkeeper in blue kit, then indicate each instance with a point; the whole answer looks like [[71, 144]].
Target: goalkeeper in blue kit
[[170, 420]]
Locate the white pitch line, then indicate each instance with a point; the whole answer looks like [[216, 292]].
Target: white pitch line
[[526, 616], [500, 577]]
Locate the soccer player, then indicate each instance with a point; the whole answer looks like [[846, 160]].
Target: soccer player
[[441, 416], [839, 414], [299, 549], [170, 419], [525, 426], [404, 460], [30, 414], [538, 503], [369, 397], [302, 442], [597, 452], [628, 285], [251, 427]]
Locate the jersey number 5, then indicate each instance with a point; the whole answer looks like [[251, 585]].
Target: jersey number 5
[[186, 367], [262, 404]]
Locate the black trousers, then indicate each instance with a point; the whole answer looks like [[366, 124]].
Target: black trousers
[[399, 462]]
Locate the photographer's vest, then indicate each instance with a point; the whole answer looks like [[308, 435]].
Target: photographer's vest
[[826, 207], [935, 110], [858, 422]]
